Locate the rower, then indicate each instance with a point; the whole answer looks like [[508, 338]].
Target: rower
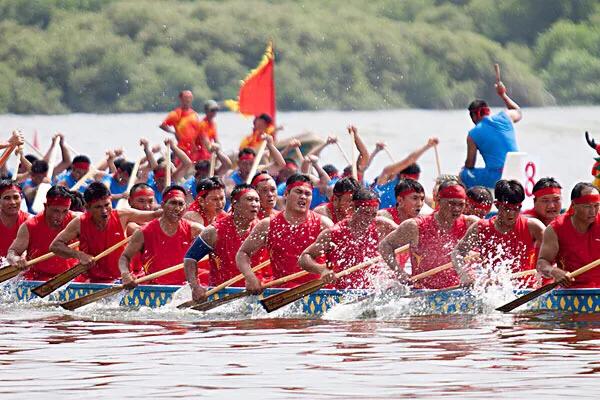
[[340, 205], [573, 240], [547, 201], [431, 237], [410, 196], [206, 132], [11, 216], [209, 203], [508, 238], [285, 236], [262, 125], [181, 122], [162, 242], [97, 229], [479, 201], [222, 240], [35, 235], [267, 192], [158, 180], [348, 243], [141, 197], [79, 167], [493, 136], [117, 182]]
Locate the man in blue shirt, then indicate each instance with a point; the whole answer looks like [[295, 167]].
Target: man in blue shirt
[[493, 136]]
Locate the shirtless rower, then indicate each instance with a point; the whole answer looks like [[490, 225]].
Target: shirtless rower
[[285, 236], [35, 235], [222, 240], [479, 201], [431, 237], [209, 203], [573, 240], [11, 216], [162, 242], [348, 243], [267, 192], [507, 238], [97, 229], [340, 205], [547, 201]]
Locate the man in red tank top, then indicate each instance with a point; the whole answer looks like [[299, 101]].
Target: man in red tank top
[[547, 201], [348, 243], [479, 201], [285, 236], [141, 197], [11, 216], [36, 234], [509, 238], [209, 203], [340, 205], [222, 241], [573, 240], [267, 192], [162, 242], [431, 237], [97, 229]]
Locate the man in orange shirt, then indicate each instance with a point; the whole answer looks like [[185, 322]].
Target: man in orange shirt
[[182, 122], [263, 124], [206, 132]]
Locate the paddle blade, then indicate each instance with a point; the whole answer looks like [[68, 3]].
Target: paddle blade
[[526, 298], [9, 272], [279, 300], [90, 298], [209, 305], [59, 280]]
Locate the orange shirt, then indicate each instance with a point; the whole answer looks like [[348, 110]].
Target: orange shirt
[[207, 129], [184, 122], [253, 140]]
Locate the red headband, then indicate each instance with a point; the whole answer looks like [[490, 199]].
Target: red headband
[[239, 194], [452, 192], [142, 192], [81, 165], [298, 183], [546, 190], [246, 156], [366, 203], [340, 194], [406, 192], [480, 206], [91, 203], [260, 178], [160, 173], [58, 201], [514, 206], [414, 177], [481, 111], [587, 199], [11, 187], [175, 193]]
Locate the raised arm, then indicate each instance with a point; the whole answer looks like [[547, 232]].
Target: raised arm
[[65, 154], [278, 161], [392, 170], [149, 155], [318, 149], [186, 163], [224, 160], [378, 147], [513, 109], [363, 152]]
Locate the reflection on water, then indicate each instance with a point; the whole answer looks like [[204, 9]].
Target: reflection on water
[[48, 351]]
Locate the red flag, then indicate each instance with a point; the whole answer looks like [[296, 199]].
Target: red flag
[[257, 92]]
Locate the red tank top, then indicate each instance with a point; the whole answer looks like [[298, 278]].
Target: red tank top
[[93, 241], [40, 238], [515, 246], [262, 214], [349, 250], [286, 242], [434, 249], [531, 213], [222, 259], [577, 249], [393, 211], [401, 258], [9, 233], [162, 251], [333, 217]]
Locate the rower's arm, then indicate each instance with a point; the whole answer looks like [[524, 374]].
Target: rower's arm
[[392, 170], [167, 128], [201, 246], [462, 250], [363, 152], [384, 225], [135, 246], [536, 229], [378, 147], [318, 149], [149, 156], [60, 247], [326, 222], [186, 163], [471, 153], [278, 161], [140, 217], [224, 160], [65, 155], [18, 246], [406, 233], [513, 109], [307, 260], [548, 253], [254, 241]]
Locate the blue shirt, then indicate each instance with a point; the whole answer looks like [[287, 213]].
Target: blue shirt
[[190, 186], [386, 193], [152, 183], [70, 181], [494, 136], [114, 186]]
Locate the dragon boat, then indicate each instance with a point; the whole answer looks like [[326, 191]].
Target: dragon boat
[[315, 304]]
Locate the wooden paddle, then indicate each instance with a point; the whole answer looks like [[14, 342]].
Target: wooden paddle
[[354, 160], [101, 294], [122, 203], [437, 160], [497, 70], [11, 271], [40, 195], [6, 155], [32, 147], [18, 164], [91, 172], [259, 155], [389, 153], [59, 280], [343, 153], [546, 288], [209, 305], [279, 300], [222, 286], [213, 163], [168, 165]]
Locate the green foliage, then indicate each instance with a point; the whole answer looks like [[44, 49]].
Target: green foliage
[[127, 56]]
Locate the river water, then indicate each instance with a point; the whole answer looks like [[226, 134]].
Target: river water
[[101, 351]]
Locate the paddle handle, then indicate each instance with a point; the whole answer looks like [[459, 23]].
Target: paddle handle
[[111, 248], [35, 149], [299, 154], [236, 279], [354, 166], [343, 153], [521, 274], [213, 163], [437, 160], [584, 269], [285, 279], [259, 155], [497, 70], [85, 177], [7, 152], [122, 203], [432, 271], [168, 165], [158, 274], [389, 153], [47, 256]]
